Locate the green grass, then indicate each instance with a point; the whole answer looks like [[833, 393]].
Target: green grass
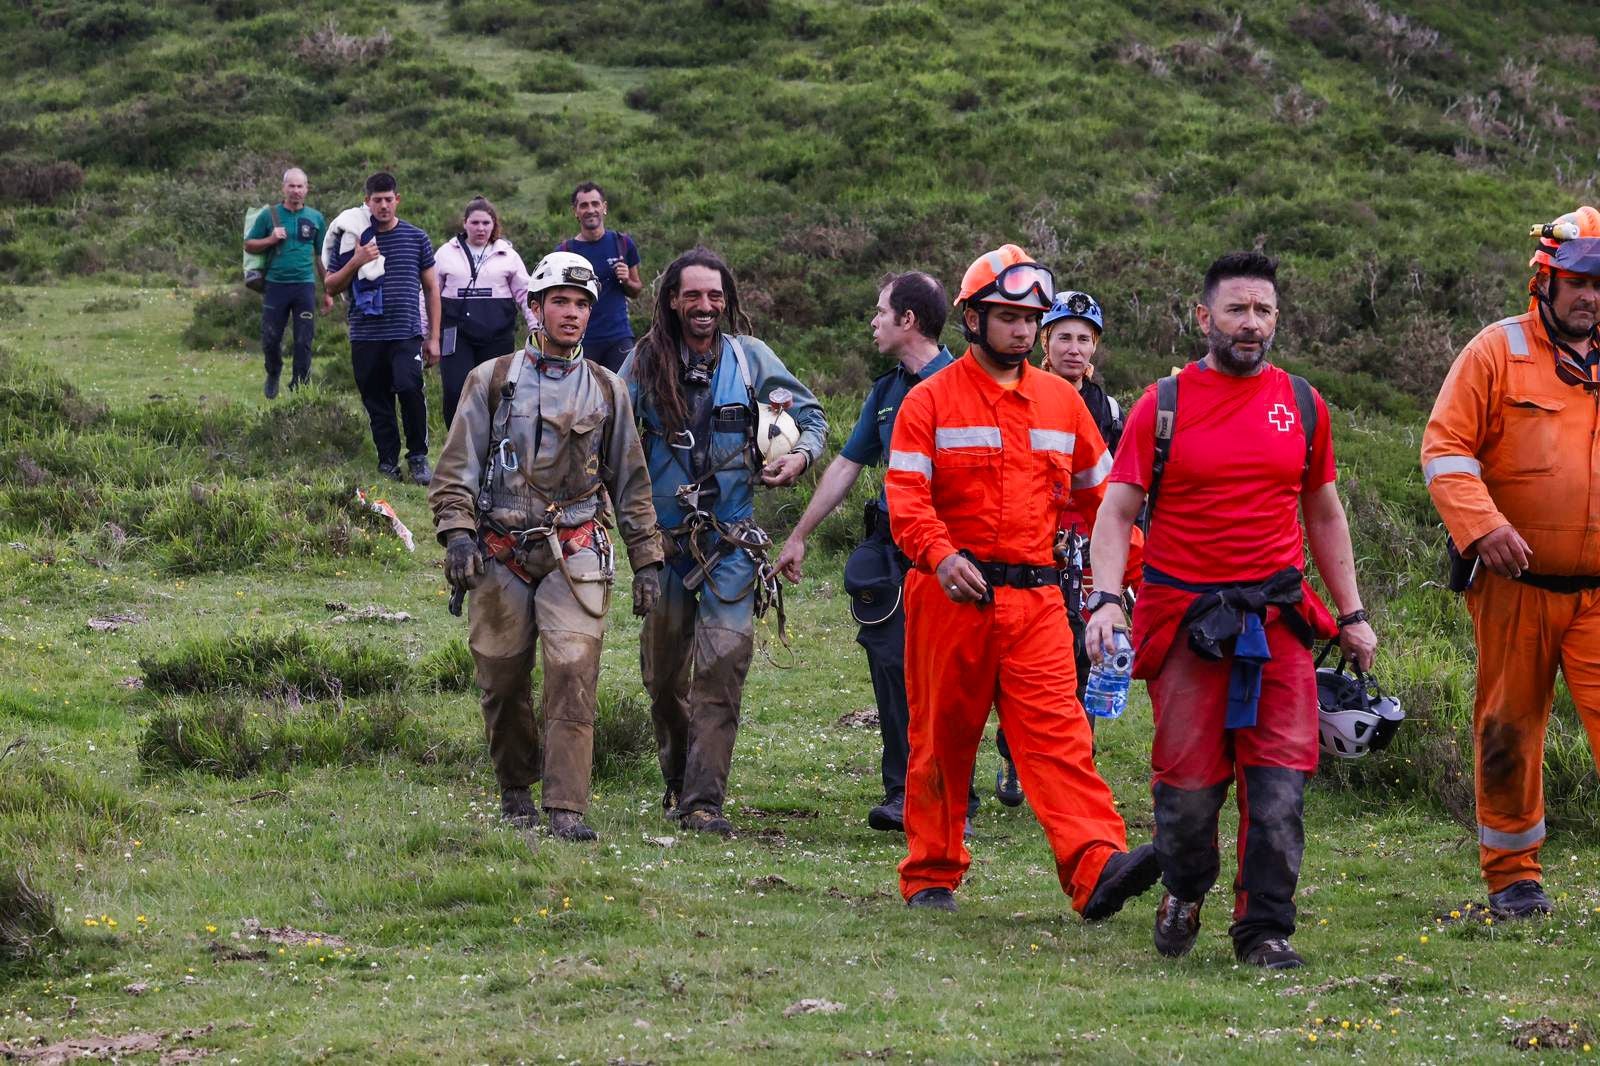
[[1393, 155]]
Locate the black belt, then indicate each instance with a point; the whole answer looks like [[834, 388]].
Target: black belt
[[1018, 575], [1560, 583]]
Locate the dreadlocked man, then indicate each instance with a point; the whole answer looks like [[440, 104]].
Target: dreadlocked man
[[705, 401]]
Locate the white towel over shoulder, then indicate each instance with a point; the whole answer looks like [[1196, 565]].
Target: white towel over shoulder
[[342, 236]]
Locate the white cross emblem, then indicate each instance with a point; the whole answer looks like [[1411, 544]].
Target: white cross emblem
[[1282, 417]]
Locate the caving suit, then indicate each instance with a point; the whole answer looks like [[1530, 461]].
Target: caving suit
[[979, 467], [696, 646], [572, 456], [1509, 441]]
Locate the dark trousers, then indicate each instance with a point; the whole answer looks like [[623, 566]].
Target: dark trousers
[[282, 302], [885, 646], [386, 372], [609, 352], [454, 368]]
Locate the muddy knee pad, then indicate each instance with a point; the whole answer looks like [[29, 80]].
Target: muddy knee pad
[[571, 673], [1272, 843], [1186, 837], [508, 722]]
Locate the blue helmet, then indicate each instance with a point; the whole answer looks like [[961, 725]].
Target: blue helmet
[[1073, 304]]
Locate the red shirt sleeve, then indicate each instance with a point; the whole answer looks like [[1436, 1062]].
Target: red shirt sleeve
[[1136, 455], [1321, 469]]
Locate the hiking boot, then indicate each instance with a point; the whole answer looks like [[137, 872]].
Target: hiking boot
[[669, 804], [568, 825], [1177, 925], [270, 389], [420, 473], [1521, 900], [933, 899], [1007, 789], [1273, 953], [704, 821], [297, 380], [391, 470], [966, 829], [1126, 874], [889, 816], [518, 809]]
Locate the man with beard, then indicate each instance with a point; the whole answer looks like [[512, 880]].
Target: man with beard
[[985, 457], [1225, 619], [1510, 459], [700, 395], [615, 259]]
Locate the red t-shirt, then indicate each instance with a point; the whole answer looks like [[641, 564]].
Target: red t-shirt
[[1228, 508]]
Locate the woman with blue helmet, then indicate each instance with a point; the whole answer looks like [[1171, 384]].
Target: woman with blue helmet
[[1071, 332]]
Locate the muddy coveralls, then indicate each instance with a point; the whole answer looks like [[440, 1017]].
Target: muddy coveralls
[[572, 453], [980, 468], [1509, 441], [696, 646]]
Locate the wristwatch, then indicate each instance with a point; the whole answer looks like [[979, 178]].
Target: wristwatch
[[1353, 618], [1100, 599]]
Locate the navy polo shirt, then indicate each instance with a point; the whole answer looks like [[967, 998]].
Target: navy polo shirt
[[869, 441]]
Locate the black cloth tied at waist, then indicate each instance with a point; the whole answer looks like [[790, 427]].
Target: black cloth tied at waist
[[1227, 619]]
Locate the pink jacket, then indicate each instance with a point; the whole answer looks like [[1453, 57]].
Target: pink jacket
[[503, 273]]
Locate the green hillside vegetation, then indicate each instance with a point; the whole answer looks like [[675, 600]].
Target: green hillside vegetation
[[229, 750]]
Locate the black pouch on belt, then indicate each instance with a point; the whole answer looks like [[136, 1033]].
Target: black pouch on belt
[[1463, 571]]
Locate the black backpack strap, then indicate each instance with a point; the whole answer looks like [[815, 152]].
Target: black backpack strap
[[1166, 422], [1305, 398]]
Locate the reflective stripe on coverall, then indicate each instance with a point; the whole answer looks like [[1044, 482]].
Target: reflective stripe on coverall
[[1508, 441], [978, 467]]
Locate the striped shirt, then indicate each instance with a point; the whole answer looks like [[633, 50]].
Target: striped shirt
[[407, 252]]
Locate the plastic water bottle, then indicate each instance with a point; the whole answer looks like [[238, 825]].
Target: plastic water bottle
[[1106, 695]]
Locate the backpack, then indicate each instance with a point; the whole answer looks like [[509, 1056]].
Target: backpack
[[1167, 419], [622, 245], [255, 263]]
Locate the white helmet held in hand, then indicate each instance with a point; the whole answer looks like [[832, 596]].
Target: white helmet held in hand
[[564, 268], [1354, 716], [776, 431]]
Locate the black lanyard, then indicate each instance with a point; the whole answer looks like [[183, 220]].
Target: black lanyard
[[473, 264]]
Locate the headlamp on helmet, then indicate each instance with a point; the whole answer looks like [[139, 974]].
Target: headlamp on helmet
[[1354, 715]]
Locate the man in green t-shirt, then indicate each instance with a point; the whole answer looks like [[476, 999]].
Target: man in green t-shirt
[[291, 236]]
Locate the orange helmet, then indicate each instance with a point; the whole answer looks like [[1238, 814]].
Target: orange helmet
[[1007, 276], [1571, 243]]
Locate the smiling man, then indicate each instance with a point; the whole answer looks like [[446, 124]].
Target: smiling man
[[699, 393], [542, 447], [615, 260], [1511, 461], [1225, 618], [984, 459]]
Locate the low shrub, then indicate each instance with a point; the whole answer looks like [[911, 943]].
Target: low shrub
[[27, 920], [448, 668], [624, 737], [552, 74], [39, 183], [289, 663]]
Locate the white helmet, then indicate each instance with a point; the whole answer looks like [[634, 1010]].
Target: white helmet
[[1353, 714], [776, 431], [564, 268]]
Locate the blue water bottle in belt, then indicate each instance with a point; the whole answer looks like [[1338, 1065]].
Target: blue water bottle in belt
[[1106, 695]]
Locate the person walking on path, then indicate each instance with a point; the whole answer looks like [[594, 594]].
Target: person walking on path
[[1227, 455], [700, 394], [615, 259], [290, 234], [543, 456], [984, 458], [1511, 456], [389, 266], [483, 287]]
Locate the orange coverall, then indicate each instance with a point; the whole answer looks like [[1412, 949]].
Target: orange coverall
[[979, 467], [1508, 441]]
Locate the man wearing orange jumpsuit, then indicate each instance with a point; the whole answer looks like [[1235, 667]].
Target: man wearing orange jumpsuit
[[985, 456], [1512, 459]]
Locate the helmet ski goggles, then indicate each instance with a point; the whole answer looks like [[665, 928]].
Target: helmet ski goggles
[[577, 275], [1023, 284]]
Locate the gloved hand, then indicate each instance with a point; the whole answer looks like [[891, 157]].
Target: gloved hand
[[646, 589], [463, 565]]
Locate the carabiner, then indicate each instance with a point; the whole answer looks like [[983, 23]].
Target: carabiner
[[505, 448]]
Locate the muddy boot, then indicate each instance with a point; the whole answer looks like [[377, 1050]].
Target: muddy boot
[[1525, 899], [669, 804], [1272, 953], [933, 899], [1125, 875], [568, 825], [1177, 925], [517, 808], [1007, 789], [704, 821]]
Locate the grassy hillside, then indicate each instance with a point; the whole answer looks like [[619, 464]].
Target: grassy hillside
[[237, 741]]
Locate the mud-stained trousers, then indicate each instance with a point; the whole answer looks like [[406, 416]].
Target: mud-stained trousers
[[1194, 757], [961, 661], [507, 619], [1524, 635], [694, 654]]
